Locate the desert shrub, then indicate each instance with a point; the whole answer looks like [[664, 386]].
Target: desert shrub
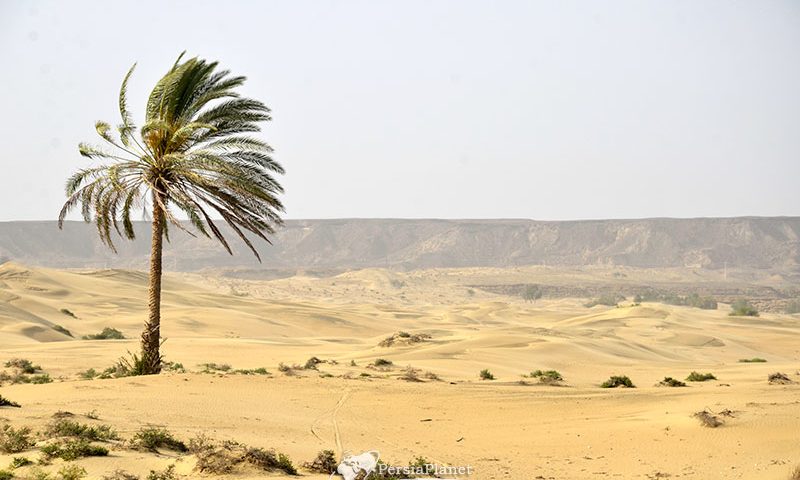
[[779, 378], [19, 462], [4, 402], [404, 338], [397, 283], [214, 458], [252, 371], [89, 374], [166, 474], [73, 449], [120, 475], [6, 475], [38, 379], [470, 292], [485, 374], [547, 376], [708, 419], [700, 377], [62, 330], [68, 428], [107, 334], [215, 367], [752, 360], [68, 313], [382, 362], [532, 293], [410, 374], [671, 382], [15, 440], [431, 376], [311, 363], [153, 438], [607, 300], [325, 462], [174, 367], [616, 381], [742, 308], [71, 472], [23, 365]]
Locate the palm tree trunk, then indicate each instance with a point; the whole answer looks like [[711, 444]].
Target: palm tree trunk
[[151, 337]]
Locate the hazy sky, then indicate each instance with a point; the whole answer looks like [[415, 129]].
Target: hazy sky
[[453, 109]]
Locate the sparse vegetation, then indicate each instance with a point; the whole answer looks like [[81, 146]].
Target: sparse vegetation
[[404, 338], [68, 313], [742, 308], [700, 377], [73, 449], [23, 365], [752, 360], [166, 474], [779, 378], [15, 440], [693, 300], [153, 438], [607, 300], [215, 367], [795, 473], [120, 475], [6, 475], [19, 462], [62, 330], [410, 374], [325, 462], [548, 377], [107, 334], [532, 293], [485, 374], [618, 381], [67, 428], [382, 362], [708, 419], [671, 382], [71, 472], [251, 371], [222, 458], [4, 402]]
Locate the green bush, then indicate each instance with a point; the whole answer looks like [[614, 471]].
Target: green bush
[[166, 474], [742, 308], [68, 428], [618, 381], [485, 374], [19, 462], [153, 438], [382, 362], [532, 293], [107, 334], [6, 475], [700, 377], [15, 440], [72, 472], [752, 360], [73, 449], [671, 382], [215, 367]]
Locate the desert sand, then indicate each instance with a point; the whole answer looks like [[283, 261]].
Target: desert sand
[[508, 428]]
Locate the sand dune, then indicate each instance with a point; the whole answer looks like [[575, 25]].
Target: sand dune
[[503, 428]]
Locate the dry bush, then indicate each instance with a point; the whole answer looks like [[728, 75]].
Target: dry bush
[[15, 440], [404, 338], [779, 378], [325, 462], [410, 374], [120, 475], [670, 382], [223, 458], [708, 419], [152, 438]]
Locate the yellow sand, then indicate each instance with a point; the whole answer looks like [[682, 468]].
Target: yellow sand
[[504, 429]]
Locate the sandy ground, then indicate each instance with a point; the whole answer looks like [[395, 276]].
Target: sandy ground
[[504, 429]]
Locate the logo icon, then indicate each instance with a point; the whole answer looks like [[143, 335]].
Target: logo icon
[[353, 465]]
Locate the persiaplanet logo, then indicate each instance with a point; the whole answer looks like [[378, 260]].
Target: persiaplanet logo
[[353, 467]]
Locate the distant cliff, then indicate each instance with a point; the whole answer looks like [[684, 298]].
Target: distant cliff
[[745, 242]]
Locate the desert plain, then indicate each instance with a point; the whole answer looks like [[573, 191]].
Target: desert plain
[[465, 320]]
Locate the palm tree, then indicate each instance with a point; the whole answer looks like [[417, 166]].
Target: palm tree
[[193, 155]]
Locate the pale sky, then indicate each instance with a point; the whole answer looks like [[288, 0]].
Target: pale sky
[[450, 109]]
